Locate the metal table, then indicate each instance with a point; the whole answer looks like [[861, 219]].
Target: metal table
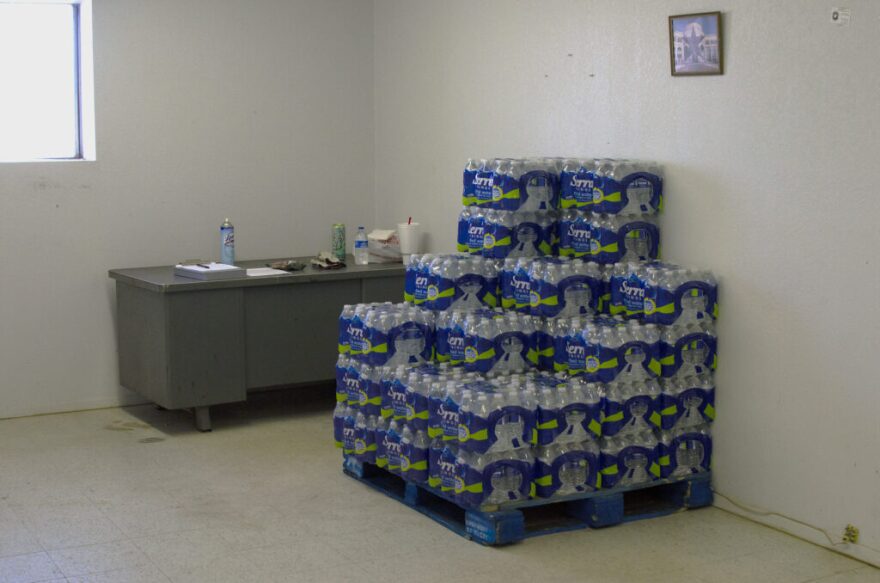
[[186, 343]]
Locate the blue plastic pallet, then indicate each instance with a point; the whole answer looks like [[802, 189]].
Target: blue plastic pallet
[[516, 521]]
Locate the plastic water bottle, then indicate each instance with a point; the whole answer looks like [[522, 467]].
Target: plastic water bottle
[[361, 250], [464, 223], [227, 243], [339, 422]]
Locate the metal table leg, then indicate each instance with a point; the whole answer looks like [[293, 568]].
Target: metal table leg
[[203, 418]]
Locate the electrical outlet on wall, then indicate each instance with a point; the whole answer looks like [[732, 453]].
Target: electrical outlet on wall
[[840, 16]]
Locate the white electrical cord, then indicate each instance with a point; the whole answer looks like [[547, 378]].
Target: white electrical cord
[[759, 512]]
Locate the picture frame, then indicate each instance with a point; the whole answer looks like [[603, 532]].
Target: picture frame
[[695, 44]]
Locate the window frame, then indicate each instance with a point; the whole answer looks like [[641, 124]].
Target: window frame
[[85, 147]]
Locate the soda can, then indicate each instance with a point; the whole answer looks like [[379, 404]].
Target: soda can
[[337, 241]]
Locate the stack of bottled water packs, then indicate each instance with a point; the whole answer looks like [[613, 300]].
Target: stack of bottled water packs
[[553, 356], [600, 210]]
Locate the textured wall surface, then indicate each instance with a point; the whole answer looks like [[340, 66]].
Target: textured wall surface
[[203, 111]]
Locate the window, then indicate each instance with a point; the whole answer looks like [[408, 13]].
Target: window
[[46, 100]]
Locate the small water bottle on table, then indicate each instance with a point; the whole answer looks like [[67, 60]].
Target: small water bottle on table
[[361, 250]]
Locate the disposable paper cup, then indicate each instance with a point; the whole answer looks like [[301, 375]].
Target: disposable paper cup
[[410, 235]]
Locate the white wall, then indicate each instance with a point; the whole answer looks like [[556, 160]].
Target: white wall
[[204, 110], [770, 182]]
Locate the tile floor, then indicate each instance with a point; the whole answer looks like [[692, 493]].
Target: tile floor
[[136, 495]]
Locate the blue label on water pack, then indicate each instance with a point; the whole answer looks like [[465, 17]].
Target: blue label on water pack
[[414, 462], [627, 295], [689, 408], [441, 344], [560, 352], [539, 190], [687, 454], [499, 482], [369, 396], [634, 415], [509, 427], [576, 190], [692, 302], [468, 196], [409, 283], [546, 425], [479, 354], [423, 278], [447, 471], [386, 408], [601, 363], [578, 238], [543, 343], [461, 241], [506, 194], [544, 298], [397, 397], [381, 453], [632, 465], [441, 294], [575, 354], [338, 423], [638, 241], [605, 244], [352, 382], [521, 284], [417, 411], [364, 445], [392, 447], [348, 435], [341, 389], [570, 473], [456, 342], [435, 427], [357, 338], [506, 289], [343, 344], [550, 234], [483, 183], [476, 234], [434, 454], [447, 415], [498, 240], [693, 354]]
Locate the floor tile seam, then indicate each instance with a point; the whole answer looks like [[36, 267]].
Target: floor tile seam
[[143, 555], [108, 571]]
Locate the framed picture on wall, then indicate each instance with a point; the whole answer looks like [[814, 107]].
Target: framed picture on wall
[[695, 46]]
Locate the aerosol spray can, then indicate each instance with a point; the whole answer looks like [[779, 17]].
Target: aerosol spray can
[[337, 241], [227, 243]]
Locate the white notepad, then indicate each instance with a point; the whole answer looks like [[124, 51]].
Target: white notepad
[[210, 270], [264, 271]]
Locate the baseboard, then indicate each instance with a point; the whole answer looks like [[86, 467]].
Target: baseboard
[[855, 551]]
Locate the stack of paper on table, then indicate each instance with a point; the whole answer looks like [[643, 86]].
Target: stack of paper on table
[[209, 271]]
